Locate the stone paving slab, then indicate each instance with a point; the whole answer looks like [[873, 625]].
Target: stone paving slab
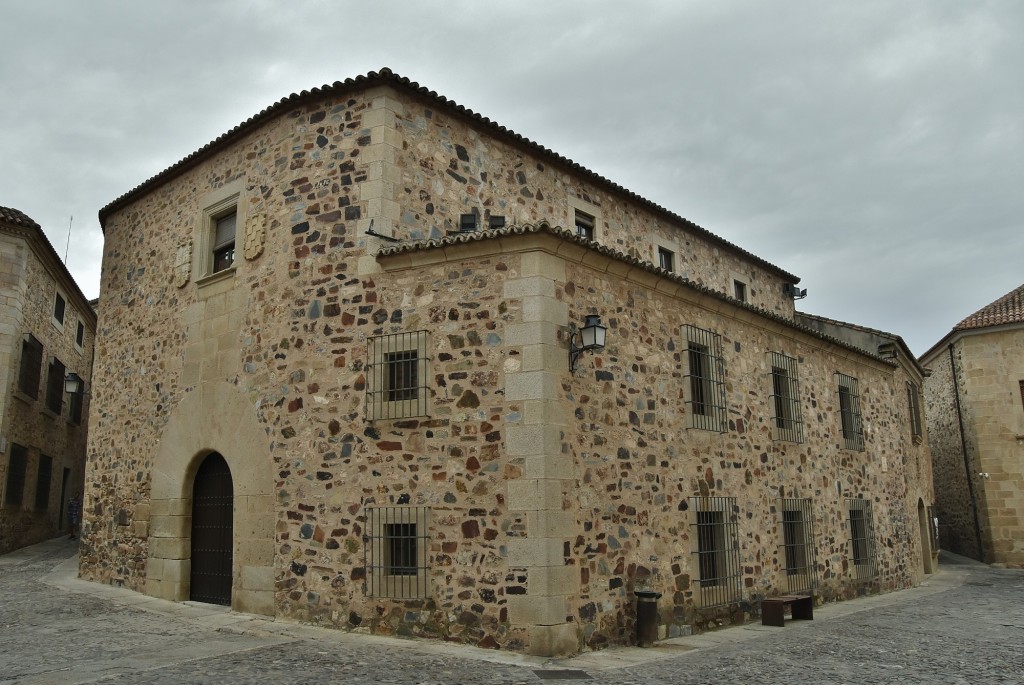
[[963, 625]]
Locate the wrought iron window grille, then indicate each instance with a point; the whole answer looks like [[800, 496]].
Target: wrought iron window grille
[[397, 372], [715, 532], [862, 539], [705, 386], [395, 552], [914, 407], [799, 552], [850, 418], [787, 411]]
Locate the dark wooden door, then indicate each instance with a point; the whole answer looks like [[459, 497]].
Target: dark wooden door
[[212, 532]]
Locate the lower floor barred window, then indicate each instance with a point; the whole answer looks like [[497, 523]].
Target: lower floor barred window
[[717, 549], [395, 546], [798, 545]]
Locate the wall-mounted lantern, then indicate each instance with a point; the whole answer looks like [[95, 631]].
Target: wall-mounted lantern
[[73, 383], [591, 337]]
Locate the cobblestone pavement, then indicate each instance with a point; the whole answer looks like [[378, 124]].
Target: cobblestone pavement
[[964, 625]]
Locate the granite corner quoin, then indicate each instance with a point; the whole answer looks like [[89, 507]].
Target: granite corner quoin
[[377, 382]]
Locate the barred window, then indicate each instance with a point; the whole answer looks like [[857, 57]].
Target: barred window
[[717, 549], [55, 386], [849, 412], [397, 376], [798, 545], [15, 487], [395, 546], [43, 483], [862, 543], [705, 388], [31, 365], [787, 417], [914, 404]]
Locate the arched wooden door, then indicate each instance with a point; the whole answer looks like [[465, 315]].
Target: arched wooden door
[[212, 532]]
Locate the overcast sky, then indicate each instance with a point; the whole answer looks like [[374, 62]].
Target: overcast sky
[[875, 149]]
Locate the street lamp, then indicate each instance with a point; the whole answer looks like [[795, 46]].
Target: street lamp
[[591, 337]]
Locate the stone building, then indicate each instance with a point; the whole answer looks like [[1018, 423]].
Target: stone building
[[47, 329], [335, 385], [975, 408]]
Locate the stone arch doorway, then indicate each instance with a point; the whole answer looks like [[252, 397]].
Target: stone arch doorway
[[926, 538], [213, 502]]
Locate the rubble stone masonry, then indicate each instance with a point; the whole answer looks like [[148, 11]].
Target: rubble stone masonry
[[552, 495]]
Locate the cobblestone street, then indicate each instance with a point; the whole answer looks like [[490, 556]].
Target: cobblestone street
[[965, 625]]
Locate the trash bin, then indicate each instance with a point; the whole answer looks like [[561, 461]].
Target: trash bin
[[646, 617]]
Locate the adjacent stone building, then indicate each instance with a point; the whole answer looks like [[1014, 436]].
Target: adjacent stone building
[[975, 409], [336, 384], [47, 328]]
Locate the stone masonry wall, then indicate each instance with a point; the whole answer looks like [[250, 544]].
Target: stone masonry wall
[[27, 291], [449, 168]]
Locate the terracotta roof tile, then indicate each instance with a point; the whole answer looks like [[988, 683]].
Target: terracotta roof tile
[[1007, 309], [13, 216], [387, 77]]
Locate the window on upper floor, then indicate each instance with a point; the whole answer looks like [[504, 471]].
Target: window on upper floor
[[705, 380], [396, 552], [55, 386], [220, 219], [787, 411], [397, 376], [59, 307], [80, 336], [849, 412], [495, 221], [31, 364], [739, 290], [467, 223], [585, 224], [43, 483], [914, 409], [224, 241], [666, 259], [14, 489], [717, 549]]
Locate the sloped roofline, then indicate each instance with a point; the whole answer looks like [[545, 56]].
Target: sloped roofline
[[1007, 310], [10, 217], [543, 226], [873, 331], [386, 77]]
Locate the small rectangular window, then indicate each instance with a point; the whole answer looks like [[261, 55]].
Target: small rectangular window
[[705, 380], [798, 543], [914, 407], [788, 414], [849, 412], [43, 483], [666, 259], [585, 224], [717, 549], [55, 386], [31, 365], [467, 222], [15, 488], [495, 222], [397, 371], [224, 242], [395, 549], [739, 289], [862, 543], [58, 309], [80, 335]]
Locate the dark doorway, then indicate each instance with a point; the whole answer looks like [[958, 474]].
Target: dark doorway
[[61, 520], [212, 527]]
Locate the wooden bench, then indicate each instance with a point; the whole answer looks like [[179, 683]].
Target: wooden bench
[[773, 609]]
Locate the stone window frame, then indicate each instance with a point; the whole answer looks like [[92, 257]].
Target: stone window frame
[[740, 290], [716, 548], [60, 302], [579, 207], [80, 336], [17, 465], [213, 206], [786, 405], [704, 386], [31, 349], [863, 564], [399, 532], [53, 403], [851, 421], [663, 254], [390, 391], [914, 409]]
